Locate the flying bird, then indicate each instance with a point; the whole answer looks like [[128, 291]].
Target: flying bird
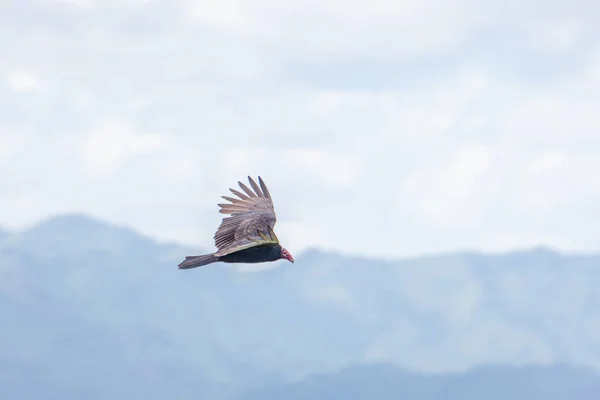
[[247, 235]]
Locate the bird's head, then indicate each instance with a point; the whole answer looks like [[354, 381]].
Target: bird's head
[[286, 254]]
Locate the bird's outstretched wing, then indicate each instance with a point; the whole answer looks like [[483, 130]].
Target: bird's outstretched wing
[[251, 222]]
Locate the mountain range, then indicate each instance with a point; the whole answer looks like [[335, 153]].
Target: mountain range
[[93, 310]]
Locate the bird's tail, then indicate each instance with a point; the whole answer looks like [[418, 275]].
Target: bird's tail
[[198, 261]]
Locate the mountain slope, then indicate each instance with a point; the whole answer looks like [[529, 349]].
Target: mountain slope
[[111, 303], [383, 382]]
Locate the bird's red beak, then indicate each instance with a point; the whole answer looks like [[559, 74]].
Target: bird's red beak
[[286, 254]]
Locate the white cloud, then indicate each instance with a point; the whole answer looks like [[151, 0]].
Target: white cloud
[[560, 35], [453, 192], [333, 168], [13, 142], [76, 3], [381, 128], [113, 143], [238, 162], [23, 81], [228, 15], [327, 102], [552, 119], [179, 168], [340, 26], [83, 101], [592, 74], [93, 4]]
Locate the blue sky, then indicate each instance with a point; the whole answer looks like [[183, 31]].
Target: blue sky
[[383, 128]]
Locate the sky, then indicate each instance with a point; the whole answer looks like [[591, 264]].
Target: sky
[[387, 128]]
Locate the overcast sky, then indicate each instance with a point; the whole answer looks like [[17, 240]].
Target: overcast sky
[[381, 127]]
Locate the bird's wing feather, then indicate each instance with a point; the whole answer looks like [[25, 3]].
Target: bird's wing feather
[[259, 239], [251, 221]]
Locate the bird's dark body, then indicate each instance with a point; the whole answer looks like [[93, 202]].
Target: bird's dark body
[[257, 254], [252, 255]]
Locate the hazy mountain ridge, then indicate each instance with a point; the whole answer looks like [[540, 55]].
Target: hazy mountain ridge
[[74, 286], [383, 382], [77, 233]]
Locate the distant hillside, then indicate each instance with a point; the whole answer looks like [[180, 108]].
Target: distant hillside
[[4, 236], [75, 234], [86, 300], [383, 382]]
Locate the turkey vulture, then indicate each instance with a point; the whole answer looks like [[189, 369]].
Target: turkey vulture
[[246, 236]]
